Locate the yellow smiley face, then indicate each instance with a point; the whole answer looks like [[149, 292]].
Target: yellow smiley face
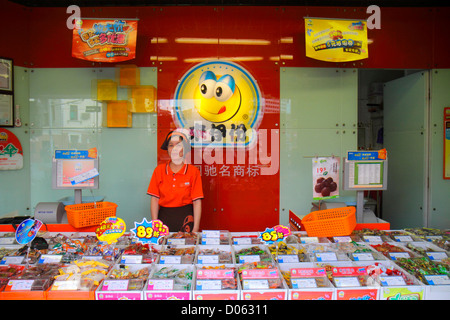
[[217, 100]]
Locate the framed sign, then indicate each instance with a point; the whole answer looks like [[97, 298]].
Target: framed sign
[[6, 110], [6, 93], [6, 75]]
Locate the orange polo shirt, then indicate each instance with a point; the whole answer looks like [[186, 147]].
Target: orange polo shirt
[[176, 189]]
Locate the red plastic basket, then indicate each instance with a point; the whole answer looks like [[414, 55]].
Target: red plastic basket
[[90, 214], [330, 222]]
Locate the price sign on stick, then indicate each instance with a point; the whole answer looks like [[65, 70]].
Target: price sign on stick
[[111, 229], [149, 232], [27, 230], [275, 234]]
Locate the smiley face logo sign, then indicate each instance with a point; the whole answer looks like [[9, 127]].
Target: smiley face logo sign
[[219, 103]]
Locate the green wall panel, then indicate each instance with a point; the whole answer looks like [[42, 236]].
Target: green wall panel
[[318, 118]]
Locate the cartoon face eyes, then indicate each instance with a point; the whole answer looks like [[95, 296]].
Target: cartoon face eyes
[[221, 89]]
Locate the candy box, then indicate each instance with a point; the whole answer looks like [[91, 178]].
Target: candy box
[[325, 252], [434, 274], [124, 282], [262, 284], [177, 254], [214, 254], [249, 253], [429, 250], [31, 283], [7, 238], [140, 253], [402, 236], [288, 253], [182, 238], [170, 282], [395, 283], [79, 280], [351, 281], [302, 237], [306, 281], [372, 235], [245, 238], [213, 282], [394, 251], [216, 237], [357, 251], [7, 255]]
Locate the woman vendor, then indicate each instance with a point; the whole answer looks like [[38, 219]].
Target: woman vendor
[[176, 187]]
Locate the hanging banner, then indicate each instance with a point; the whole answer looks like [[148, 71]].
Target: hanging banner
[[100, 40], [11, 152], [336, 40]]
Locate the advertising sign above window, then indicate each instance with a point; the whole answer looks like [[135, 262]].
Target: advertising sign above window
[[104, 40], [336, 40]]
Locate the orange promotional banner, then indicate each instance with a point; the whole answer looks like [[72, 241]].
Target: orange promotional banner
[[102, 40]]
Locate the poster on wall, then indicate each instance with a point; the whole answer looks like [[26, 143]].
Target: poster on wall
[[11, 152], [102, 40], [325, 177], [336, 40], [447, 143]]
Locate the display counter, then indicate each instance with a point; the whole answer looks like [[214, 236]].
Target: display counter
[[366, 265]]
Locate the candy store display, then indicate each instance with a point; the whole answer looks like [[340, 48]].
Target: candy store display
[[409, 264]]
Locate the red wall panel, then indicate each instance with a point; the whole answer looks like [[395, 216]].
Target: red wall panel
[[409, 37]]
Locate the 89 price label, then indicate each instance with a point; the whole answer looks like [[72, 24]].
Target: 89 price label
[[149, 232]]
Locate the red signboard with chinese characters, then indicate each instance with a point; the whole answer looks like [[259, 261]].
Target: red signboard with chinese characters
[[104, 40]]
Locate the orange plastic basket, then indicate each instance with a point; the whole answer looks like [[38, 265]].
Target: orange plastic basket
[[90, 214], [330, 222]]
